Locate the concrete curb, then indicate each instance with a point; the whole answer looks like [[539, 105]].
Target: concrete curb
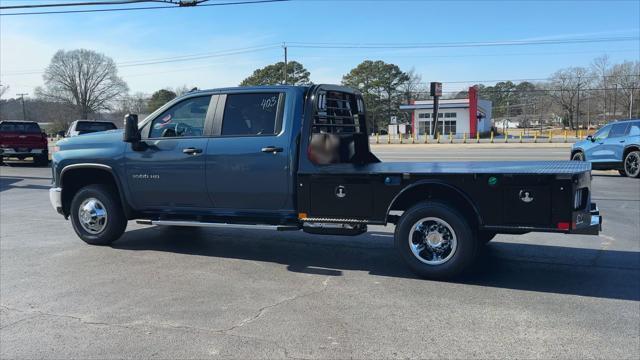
[[474, 146]]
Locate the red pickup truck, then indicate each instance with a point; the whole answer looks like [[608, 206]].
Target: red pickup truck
[[23, 139]]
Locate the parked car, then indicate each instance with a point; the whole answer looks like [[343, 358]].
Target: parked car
[[298, 158], [23, 139], [81, 127], [615, 146]]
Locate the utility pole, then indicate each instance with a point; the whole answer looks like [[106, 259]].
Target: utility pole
[[588, 112], [436, 92], [284, 46], [615, 100], [578, 109], [24, 113]]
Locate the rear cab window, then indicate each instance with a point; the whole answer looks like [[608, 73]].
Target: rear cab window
[[91, 126], [252, 114], [17, 127]]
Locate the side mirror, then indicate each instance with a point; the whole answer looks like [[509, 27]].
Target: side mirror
[[61, 133], [131, 131], [591, 138]]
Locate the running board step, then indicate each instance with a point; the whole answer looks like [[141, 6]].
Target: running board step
[[218, 225]]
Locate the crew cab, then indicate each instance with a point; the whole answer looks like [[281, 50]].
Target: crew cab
[[298, 158], [23, 139]]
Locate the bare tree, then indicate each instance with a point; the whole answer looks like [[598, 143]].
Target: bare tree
[[83, 78], [181, 90], [412, 88], [567, 84], [133, 104], [626, 76], [601, 67]]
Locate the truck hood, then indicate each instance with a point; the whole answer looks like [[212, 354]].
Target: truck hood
[[581, 144], [91, 140], [475, 167]]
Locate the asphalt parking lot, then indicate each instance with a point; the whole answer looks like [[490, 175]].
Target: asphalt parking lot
[[223, 293]]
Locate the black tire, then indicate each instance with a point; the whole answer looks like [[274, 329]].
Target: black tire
[[485, 236], [466, 243], [115, 223], [632, 164], [622, 173], [577, 156]]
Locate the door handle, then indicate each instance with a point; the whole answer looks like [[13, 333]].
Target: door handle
[[621, 140], [272, 149], [192, 151]]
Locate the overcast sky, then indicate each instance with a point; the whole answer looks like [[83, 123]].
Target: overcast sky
[[28, 42]]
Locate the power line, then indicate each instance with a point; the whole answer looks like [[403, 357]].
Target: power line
[[458, 44], [536, 90], [199, 56], [247, 2], [86, 3], [531, 79]]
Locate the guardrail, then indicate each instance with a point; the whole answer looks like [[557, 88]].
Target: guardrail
[[507, 137]]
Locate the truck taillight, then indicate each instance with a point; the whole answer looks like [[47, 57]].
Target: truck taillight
[[580, 198]]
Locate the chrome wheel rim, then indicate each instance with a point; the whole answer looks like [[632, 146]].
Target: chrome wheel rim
[[632, 164], [432, 241], [92, 216], [578, 157]]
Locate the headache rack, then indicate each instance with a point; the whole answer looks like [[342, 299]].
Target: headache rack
[[338, 113]]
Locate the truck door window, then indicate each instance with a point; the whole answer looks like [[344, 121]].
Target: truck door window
[[618, 130], [251, 114], [185, 118]]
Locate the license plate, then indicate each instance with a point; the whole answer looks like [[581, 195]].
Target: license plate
[[23, 150]]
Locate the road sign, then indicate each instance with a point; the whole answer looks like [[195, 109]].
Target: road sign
[[394, 120], [436, 89]]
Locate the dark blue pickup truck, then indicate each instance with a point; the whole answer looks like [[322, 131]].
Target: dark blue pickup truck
[[298, 158]]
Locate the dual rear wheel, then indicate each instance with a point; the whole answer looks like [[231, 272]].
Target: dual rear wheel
[[436, 241]]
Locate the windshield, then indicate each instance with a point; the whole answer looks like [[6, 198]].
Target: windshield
[[31, 128], [90, 127], [602, 133]]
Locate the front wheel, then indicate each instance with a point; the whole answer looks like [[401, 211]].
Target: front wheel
[[435, 240], [632, 164], [96, 215]]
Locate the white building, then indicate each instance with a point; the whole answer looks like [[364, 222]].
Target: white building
[[456, 116]]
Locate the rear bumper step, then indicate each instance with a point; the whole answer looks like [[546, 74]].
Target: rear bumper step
[[592, 221]]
